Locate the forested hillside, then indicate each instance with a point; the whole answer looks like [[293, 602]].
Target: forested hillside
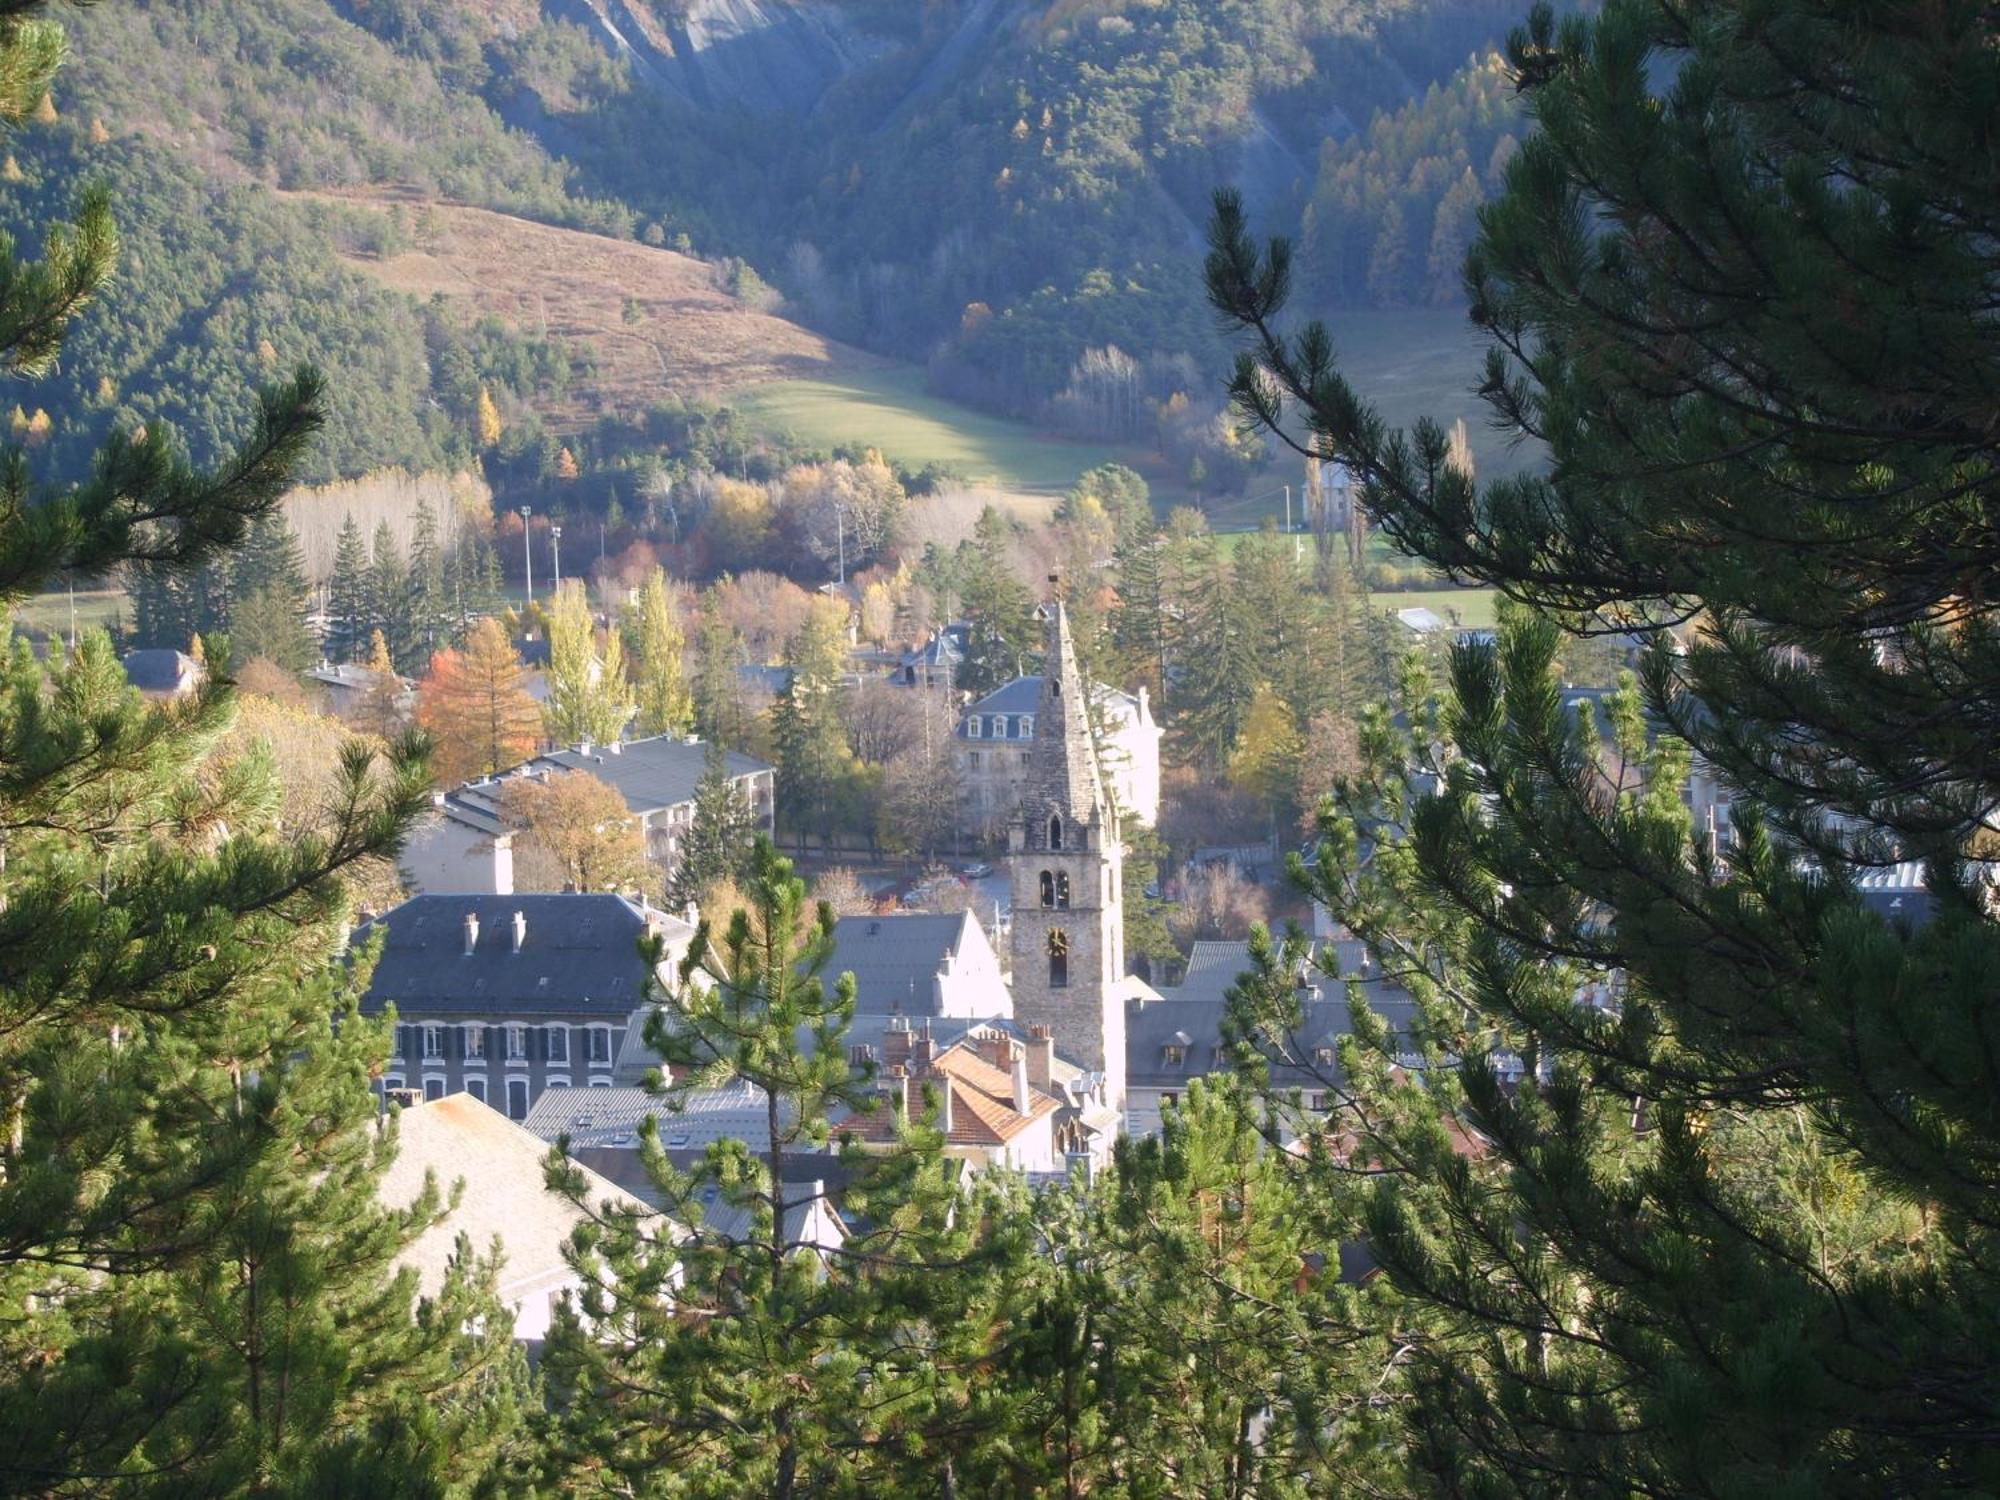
[[1007, 191], [997, 186]]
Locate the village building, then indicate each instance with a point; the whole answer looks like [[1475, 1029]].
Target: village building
[[454, 848], [504, 996], [162, 674], [459, 1140], [1065, 870], [994, 740]]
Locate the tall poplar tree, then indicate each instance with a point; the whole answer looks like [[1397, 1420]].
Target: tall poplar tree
[[716, 846], [1733, 1230], [589, 698], [665, 704]]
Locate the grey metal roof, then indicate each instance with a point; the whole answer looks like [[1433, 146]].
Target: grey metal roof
[[580, 955], [612, 1117], [1191, 1015], [894, 958], [651, 774], [157, 669], [945, 647]]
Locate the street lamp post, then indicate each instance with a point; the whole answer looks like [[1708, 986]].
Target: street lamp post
[[527, 553], [555, 550], [840, 543]]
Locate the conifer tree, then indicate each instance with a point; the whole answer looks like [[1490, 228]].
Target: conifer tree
[[389, 597], [429, 609], [757, 1361], [589, 698], [717, 688], [1732, 1231], [268, 598], [350, 615], [665, 704], [716, 847], [807, 731], [192, 1255], [997, 605], [476, 708], [1217, 650]]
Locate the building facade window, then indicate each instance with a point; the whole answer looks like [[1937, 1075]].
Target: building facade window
[[972, 727], [1048, 889], [1055, 830], [517, 1098], [475, 1085], [600, 1044], [1058, 959], [1027, 726], [433, 1043], [517, 1044], [475, 1043], [599, 1081], [433, 1086], [1062, 890], [558, 1044]]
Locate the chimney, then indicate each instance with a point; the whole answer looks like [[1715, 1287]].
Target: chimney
[[583, 747], [899, 1089], [520, 929], [920, 1049], [471, 932], [860, 1056], [1024, 1102], [616, 747], [1042, 1058], [896, 1043], [944, 1103]]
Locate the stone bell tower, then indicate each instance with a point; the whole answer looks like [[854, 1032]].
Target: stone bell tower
[[1065, 868]]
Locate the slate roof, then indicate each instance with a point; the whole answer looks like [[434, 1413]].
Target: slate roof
[[651, 774], [612, 1117], [894, 958], [580, 955], [457, 1137], [1190, 1016], [945, 647], [159, 669]]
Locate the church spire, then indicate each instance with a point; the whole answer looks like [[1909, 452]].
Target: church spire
[[1062, 763]]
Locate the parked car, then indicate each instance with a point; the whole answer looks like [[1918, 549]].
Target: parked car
[[976, 872]]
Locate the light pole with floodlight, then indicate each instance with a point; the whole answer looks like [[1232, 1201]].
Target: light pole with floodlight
[[527, 553], [555, 551]]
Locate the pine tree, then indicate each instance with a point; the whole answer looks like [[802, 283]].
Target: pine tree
[[389, 596], [350, 615], [665, 704], [1141, 622], [474, 704], [997, 605], [267, 586], [195, 1266], [718, 695], [1217, 649], [429, 610], [589, 698], [716, 846], [754, 1362], [1731, 1231], [814, 762]]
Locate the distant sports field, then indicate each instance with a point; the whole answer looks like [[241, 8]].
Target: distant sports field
[[890, 410]]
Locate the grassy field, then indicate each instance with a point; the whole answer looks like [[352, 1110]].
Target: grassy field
[[49, 613], [1473, 609], [889, 409]]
